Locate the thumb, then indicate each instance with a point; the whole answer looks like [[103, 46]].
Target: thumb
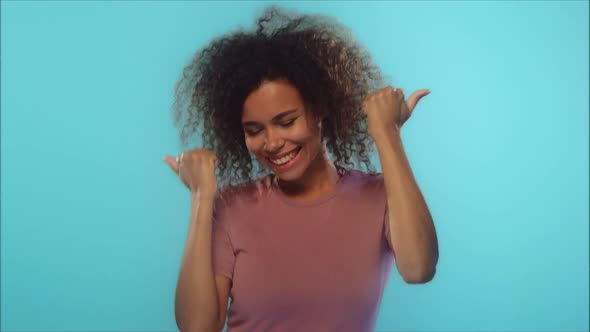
[[171, 161], [415, 98]]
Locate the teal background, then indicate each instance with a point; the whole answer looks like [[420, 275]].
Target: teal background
[[94, 223]]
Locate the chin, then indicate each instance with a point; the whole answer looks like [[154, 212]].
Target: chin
[[290, 176]]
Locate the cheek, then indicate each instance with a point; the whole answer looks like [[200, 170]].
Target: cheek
[[310, 134], [315, 142], [252, 144], [305, 133]]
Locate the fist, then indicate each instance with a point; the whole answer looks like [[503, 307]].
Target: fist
[[196, 169], [386, 110]]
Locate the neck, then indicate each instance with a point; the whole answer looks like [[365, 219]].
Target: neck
[[320, 177]]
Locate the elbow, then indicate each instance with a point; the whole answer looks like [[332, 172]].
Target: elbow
[[421, 273], [184, 325], [198, 328], [197, 325], [420, 277], [189, 320]]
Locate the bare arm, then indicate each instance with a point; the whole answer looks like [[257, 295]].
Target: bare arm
[[197, 304], [412, 233]]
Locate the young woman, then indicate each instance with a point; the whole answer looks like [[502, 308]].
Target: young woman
[[297, 237]]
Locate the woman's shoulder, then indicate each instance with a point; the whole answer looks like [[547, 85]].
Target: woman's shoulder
[[245, 193], [362, 178], [365, 185]]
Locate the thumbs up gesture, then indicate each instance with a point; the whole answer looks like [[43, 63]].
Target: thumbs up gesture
[[196, 169]]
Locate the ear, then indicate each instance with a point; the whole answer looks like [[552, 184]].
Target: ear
[[319, 122]]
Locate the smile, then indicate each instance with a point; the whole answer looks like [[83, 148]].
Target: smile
[[283, 160]]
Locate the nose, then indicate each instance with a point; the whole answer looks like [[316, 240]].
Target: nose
[[272, 142]]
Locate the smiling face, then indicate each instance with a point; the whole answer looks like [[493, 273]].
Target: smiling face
[[280, 131]]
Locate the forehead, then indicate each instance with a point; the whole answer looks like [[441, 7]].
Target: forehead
[[271, 98]]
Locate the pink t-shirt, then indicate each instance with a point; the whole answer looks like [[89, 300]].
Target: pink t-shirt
[[318, 265]]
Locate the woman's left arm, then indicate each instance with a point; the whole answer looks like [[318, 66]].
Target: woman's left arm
[[412, 234]]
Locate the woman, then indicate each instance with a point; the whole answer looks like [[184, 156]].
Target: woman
[[298, 240]]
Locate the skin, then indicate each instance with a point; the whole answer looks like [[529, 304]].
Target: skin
[[413, 235], [269, 132]]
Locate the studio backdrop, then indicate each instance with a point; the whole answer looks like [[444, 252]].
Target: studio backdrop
[[93, 222]]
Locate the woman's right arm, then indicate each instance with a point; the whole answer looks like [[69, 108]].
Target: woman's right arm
[[201, 299], [197, 304]]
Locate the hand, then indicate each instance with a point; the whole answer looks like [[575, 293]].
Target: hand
[[197, 171], [387, 111]]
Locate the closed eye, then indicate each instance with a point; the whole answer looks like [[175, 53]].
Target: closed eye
[[253, 133], [284, 125], [288, 123]]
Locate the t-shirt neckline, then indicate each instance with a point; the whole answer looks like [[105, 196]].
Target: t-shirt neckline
[[314, 202]]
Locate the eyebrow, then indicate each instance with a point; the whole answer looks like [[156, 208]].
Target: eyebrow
[[274, 119]]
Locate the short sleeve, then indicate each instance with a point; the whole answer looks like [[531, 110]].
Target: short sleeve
[[386, 221], [222, 248], [386, 228]]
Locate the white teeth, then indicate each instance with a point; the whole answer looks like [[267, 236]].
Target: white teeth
[[285, 159]]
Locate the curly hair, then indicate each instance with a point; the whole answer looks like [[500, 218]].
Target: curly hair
[[316, 54]]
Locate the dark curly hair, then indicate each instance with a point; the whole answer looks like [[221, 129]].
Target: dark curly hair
[[315, 53]]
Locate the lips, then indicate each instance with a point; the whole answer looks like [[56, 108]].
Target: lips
[[294, 152], [284, 154]]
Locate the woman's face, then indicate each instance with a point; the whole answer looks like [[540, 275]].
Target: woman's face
[[279, 131]]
